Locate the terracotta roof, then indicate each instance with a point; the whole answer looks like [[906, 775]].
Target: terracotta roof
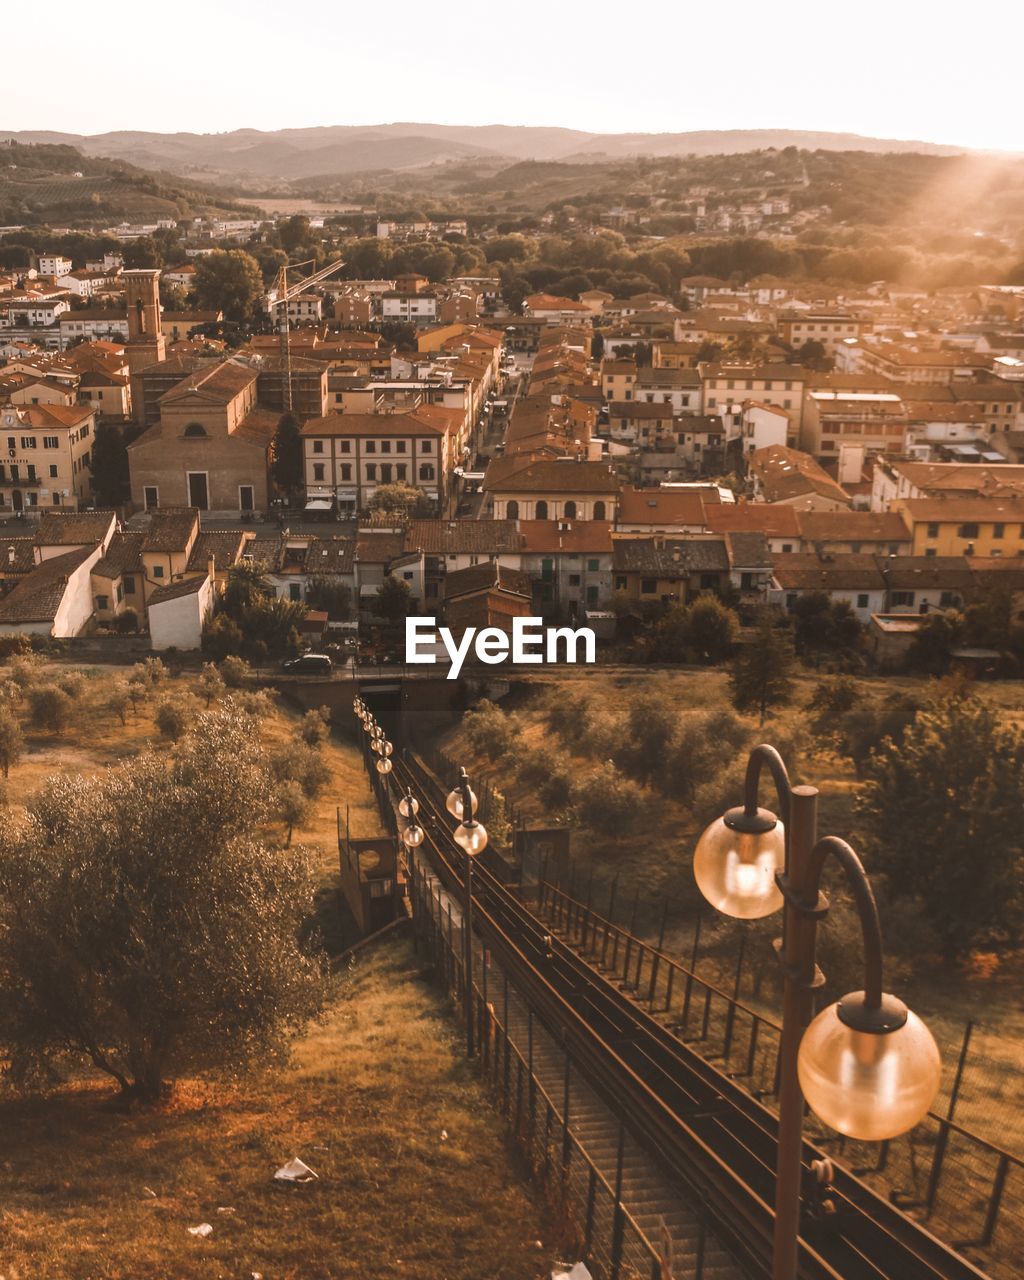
[[639, 409], [762, 517], [787, 473], [852, 526], [123, 555], [177, 590], [266, 549], [485, 577], [226, 547], [221, 382], [331, 555], [748, 550], [921, 573], [371, 424], [561, 475], [665, 506], [670, 557], [38, 595], [24, 555], [170, 529], [379, 546], [579, 537], [58, 415], [73, 528], [799, 572], [974, 509], [443, 537]]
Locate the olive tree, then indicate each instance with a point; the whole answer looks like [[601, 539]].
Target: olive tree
[[145, 925]]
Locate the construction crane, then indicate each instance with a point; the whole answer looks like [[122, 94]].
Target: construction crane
[[285, 293]]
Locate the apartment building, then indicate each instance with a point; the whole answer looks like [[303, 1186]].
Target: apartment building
[[45, 456]]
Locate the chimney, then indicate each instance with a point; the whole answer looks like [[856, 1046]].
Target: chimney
[[10, 555], [211, 567]]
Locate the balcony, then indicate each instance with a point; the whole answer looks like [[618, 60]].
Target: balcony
[[23, 482]]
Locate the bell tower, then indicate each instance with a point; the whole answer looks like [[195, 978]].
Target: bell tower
[[145, 344]]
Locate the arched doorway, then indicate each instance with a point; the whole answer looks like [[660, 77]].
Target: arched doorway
[[542, 510]]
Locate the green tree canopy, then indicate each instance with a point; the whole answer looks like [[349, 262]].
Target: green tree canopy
[[942, 811], [145, 927], [761, 669], [229, 280]]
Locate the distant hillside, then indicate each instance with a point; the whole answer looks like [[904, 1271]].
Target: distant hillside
[[56, 183], [290, 154]]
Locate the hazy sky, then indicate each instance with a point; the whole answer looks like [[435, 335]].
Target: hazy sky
[[939, 71]]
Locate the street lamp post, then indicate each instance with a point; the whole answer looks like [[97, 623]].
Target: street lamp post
[[471, 836], [866, 1065]]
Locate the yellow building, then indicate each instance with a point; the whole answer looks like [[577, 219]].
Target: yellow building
[[45, 456], [618, 379], [992, 527]]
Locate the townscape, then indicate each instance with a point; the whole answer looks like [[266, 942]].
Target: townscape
[[316, 961]]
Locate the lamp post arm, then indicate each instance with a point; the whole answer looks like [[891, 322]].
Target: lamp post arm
[[467, 800], [766, 757], [867, 908]]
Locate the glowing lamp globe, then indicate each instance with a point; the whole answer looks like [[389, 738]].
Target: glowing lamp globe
[[735, 869], [454, 803], [408, 806], [472, 838], [384, 765], [412, 836], [869, 1084]]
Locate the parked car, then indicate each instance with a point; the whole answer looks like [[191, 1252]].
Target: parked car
[[309, 664]]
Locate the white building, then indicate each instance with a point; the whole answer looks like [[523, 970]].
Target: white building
[[178, 612], [54, 264]]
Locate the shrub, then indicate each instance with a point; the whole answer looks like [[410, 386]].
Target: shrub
[[489, 729], [210, 683], [72, 682], [50, 707], [26, 670], [14, 646], [606, 800], [119, 699], [126, 623], [172, 718], [235, 671], [315, 726], [10, 740], [295, 762]]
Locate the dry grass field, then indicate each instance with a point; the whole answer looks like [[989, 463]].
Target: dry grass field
[[414, 1178]]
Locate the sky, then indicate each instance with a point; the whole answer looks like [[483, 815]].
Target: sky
[[903, 69]]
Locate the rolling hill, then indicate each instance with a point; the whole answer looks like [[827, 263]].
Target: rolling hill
[[296, 154]]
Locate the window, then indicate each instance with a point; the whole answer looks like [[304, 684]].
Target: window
[[592, 566], [512, 510], [620, 583], [28, 442], [151, 497], [53, 472], [426, 446], [599, 511], [574, 579], [158, 571], [194, 431], [129, 583], [401, 471], [547, 569], [998, 530], [426, 471], [862, 600], [949, 600], [933, 530], [346, 470], [399, 446], [905, 598], [345, 446], [246, 497], [55, 499], [969, 530], [371, 446], [787, 546], [294, 591], [102, 602], [570, 510], [318, 470], [318, 446], [542, 510], [648, 586], [371, 471], [385, 473], [385, 446], [51, 442]]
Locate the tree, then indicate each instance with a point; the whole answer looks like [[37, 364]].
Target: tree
[[51, 708], [402, 500], [293, 232], [943, 817], [821, 624], [11, 741], [211, 683], [119, 699], [315, 726], [711, 628], [393, 599], [109, 955], [229, 280], [286, 465], [932, 647], [293, 806], [172, 718], [330, 594], [235, 672], [761, 669]]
